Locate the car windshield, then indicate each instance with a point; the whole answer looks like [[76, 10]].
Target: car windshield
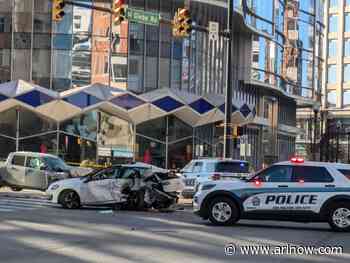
[[228, 167], [56, 164]]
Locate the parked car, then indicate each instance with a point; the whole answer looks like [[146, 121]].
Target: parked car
[[200, 170], [30, 170], [135, 186]]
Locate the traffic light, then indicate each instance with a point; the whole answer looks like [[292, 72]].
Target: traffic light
[[182, 24], [118, 11], [57, 10]]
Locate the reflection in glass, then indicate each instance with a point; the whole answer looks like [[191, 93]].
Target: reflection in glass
[[84, 125], [8, 122], [7, 145], [5, 64], [347, 47], [346, 72], [21, 64], [332, 98], [151, 152], [346, 98], [44, 144], [332, 48], [116, 134], [41, 67], [332, 74], [180, 153], [333, 23], [81, 60], [30, 123], [75, 149], [62, 73]]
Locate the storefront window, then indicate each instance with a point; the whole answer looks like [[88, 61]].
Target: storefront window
[[180, 153], [31, 123], [84, 126], [43, 144], [148, 129], [76, 149], [7, 145], [8, 123], [115, 137], [150, 151]]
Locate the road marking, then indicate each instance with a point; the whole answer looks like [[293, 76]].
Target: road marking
[[16, 204]]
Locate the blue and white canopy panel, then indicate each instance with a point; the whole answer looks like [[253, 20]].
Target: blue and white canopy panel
[[192, 109]]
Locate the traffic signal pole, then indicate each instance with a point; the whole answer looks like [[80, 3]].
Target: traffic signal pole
[[228, 95], [103, 9]]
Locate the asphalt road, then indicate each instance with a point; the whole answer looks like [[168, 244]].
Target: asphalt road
[[45, 233]]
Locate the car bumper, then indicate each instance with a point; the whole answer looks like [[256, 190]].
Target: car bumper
[[188, 193]]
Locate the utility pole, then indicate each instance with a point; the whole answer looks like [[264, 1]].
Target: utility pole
[[228, 94]]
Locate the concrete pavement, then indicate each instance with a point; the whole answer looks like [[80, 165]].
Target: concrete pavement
[[87, 235]]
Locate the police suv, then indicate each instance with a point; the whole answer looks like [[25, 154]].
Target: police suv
[[291, 191]]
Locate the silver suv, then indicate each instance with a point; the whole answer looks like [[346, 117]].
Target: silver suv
[[201, 170]]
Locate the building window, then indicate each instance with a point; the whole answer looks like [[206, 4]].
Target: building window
[[333, 3], [347, 23], [347, 47], [346, 72], [332, 48], [347, 2], [332, 74], [346, 98], [2, 24], [332, 98], [333, 23]]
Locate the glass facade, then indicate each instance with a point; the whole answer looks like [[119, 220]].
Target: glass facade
[[332, 48], [332, 74], [333, 23], [283, 53]]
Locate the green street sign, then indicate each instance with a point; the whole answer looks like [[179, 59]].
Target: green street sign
[[142, 17]]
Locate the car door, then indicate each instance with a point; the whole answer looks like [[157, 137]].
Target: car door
[[313, 185], [268, 190], [98, 190], [35, 174], [16, 171]]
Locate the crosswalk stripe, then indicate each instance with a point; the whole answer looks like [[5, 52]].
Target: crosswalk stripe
[[16, 207], [38, 202], [6, 210]]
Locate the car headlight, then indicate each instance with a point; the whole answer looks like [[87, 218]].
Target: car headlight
[[206, 187], [54, 187]]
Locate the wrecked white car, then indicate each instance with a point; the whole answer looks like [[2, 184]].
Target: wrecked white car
[[135, 186]]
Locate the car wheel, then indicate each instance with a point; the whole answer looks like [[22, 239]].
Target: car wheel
[[16, 189], [70, 200], [339, 217], [223, 211], [136, 200]]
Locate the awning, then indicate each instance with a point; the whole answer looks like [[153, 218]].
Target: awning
[[192, 109]]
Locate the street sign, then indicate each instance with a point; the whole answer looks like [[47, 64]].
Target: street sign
[[213, 31], [142, 17]]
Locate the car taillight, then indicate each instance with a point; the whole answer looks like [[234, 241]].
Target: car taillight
[[215, 177]]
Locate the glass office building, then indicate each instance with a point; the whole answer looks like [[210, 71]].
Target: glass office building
[[276, 66]]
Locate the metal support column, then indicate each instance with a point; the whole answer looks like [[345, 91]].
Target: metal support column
[[228, 95], [166, 142]]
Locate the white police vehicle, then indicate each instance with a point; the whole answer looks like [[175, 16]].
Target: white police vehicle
[[291, 191]]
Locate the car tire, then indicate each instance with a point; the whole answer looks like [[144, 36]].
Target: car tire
[[339, 217], [223, 211], [70, 200]]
